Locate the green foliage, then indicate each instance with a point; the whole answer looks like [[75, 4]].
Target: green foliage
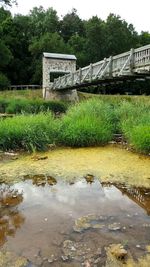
[[23, 39], [86, 124], [71, 25], [27, 132], [89, 123], [4, 82], [16, 106]]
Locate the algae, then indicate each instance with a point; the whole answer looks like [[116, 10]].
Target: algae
[[108, 164]]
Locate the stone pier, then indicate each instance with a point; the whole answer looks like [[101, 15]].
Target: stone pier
[[54, 66]]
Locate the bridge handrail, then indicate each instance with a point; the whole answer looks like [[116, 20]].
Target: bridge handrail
[[113, 66]]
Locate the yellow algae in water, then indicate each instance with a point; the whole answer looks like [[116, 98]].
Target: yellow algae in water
[[113, 261], [109, 163], [10, 260]]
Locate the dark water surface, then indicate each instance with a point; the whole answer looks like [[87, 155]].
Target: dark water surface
[[38, 215]]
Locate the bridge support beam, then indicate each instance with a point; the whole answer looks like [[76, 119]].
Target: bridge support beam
[[63, 95]]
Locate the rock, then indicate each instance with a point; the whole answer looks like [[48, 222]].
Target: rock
[[97, 260], [51, 180], [98, 226], [98, 252], [118, 251], [65, 258], [89, 178], [74, 250], [36, 157], [10, 154], [87, 222], [114, 227], [52, 258]]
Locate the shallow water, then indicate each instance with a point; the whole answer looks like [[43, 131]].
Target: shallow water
[[38, 215], [109, 163]]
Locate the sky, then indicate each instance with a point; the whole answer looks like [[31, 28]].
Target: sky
[[136, 12]]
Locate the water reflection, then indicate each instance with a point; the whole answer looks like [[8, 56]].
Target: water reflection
[[139, 195], [10, 217], [52, 208], [41, 179]]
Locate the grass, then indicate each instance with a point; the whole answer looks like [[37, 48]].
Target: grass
[[86, 124], [28, 132], [134, 122], [91, 122], [22, 94], [17, 106]]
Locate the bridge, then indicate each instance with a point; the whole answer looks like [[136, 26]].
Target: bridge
[[140, 195], [134, 64]]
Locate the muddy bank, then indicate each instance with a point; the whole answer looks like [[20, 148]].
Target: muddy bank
[[109, 163]]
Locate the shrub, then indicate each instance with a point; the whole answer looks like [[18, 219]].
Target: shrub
[[17, 106], [4, 82]]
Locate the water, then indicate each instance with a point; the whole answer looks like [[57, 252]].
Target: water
[[38, 215]]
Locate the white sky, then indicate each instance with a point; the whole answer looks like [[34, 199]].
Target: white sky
[[136, 12]]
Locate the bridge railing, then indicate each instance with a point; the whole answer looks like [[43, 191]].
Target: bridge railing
[[123, 64]]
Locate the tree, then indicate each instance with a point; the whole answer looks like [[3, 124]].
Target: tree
[[95, 39], [120, 36], [49, 42], [144, 38], [7, 2], [71, 25], [77, 46], [5, 53], [43, 21]]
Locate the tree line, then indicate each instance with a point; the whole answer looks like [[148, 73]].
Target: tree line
[[23, 39]]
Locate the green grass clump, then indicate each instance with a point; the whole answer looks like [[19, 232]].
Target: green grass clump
[[134, 123], [140, 138], [86, 124], [17, 106], [28, 132]]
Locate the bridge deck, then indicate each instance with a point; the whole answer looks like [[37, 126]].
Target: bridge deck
[[134, 63]]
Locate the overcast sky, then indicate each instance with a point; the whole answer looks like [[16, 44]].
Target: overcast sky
[[136, 12]]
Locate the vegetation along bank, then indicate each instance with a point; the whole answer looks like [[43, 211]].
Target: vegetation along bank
[[92, 122]]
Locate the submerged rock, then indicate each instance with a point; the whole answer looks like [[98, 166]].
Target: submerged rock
[[74, 251], [89, 178], [118, 251], [114, 227], [51, 180], [89, 221]]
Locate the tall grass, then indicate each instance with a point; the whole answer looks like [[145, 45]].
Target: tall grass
[[134, 122], [86, 124], [89, 123], [29, 132]]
